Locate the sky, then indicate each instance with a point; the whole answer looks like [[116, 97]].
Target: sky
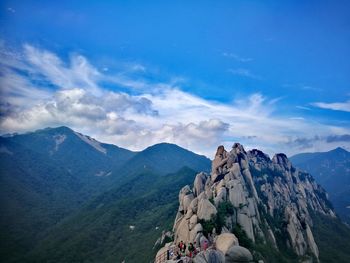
[[272, 75]]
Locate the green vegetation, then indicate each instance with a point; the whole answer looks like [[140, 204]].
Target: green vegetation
[[55, 209], [269, 254], [332, 238], [261, 250], [101, 230], [224, 209], [217, 221], [244, 240]]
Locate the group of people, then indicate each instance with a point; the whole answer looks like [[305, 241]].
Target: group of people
[[186, 251], [192, 251]]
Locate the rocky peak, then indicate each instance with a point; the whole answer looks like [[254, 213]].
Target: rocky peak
[[282, 160], [259, 159], [259, 155], [267, 199], [238, 148]]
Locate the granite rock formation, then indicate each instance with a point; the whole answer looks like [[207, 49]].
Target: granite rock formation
[[264, 197]]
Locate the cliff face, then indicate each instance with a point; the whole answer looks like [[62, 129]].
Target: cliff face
[[267, 198]]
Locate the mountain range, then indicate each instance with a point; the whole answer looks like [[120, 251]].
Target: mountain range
[[332, 171], [54, 175], [66, 197]]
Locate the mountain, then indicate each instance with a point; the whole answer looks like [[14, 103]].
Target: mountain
[[166, 158], [332, 171], [35, 193], [81, 154], [253, 208], [51, 175]]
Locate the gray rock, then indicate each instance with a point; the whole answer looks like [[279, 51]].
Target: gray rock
[[237, 254], [210, 256], [194, 233]]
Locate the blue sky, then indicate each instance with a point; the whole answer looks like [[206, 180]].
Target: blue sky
[[270, 74]]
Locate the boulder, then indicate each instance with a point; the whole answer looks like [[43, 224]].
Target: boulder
[[186, 201], [210, 256], [183, 192], [195, 231], [237, 254], [225, 241], [199, 183], [194, 205], [206, 209]]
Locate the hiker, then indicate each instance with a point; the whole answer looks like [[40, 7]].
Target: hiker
[[206, 245], [196, 249], [183, 249], [191, 250], [180, 245]]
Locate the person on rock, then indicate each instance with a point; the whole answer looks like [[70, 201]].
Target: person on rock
[[183, 250], [204, 245], [180, 245], [197, 248], [191, 250]]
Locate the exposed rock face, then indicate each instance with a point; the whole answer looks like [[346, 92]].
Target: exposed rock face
[[205, 209], [225, 241], [268, 196]]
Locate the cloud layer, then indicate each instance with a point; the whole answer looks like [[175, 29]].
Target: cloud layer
[[338, 106], [40, 89]]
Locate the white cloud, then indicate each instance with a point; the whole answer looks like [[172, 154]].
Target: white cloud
[[303, 108], [39, 89], [338, 106], [236, 57], [244, 73]]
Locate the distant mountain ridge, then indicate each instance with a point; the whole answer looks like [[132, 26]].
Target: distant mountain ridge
[[331, 170], [63, 144], [50, 174]]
